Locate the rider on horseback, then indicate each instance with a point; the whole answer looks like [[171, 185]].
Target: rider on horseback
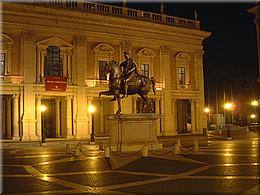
[[129, 69]]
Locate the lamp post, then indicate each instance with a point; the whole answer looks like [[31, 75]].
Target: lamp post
[[228, 107], [207, 111], [91, 110], [254, 104], [43, 109]]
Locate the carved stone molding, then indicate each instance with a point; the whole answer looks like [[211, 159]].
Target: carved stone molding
[[146, 52], [5, 39], [198, 54], [182, 56], [126, 45], [29, 36], [104, 48], [80, 40], [164, 50]]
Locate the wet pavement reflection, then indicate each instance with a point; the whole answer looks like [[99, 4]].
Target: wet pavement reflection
[[219, 167]]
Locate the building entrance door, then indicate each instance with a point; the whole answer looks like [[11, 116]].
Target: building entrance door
[[6, 116], [183, 116], [51, 120]]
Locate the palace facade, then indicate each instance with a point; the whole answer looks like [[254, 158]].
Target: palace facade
[[53, 54]]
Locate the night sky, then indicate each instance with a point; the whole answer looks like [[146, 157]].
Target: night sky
[[230, 58]]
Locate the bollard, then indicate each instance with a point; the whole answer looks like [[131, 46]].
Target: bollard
[[247, 129], [77, 150], [145, 151], [107, 152], [178, 147], [196, 146]]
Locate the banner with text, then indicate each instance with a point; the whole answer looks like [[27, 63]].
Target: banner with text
[[56, 83]]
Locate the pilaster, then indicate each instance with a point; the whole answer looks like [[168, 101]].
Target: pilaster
[[69, 118], [15, 117], [8, 117], [57, 117]]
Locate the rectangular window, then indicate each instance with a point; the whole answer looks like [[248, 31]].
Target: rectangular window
[[2, 63], [181, 75], [102, 74], [145, 69], [53, 62]]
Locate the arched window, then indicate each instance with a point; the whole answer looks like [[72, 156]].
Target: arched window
[[54, 58], [53, 63], [145, 61], [5, 54], [183, 61], [102, 53]]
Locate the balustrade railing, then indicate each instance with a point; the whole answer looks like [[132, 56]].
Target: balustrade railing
[[11, 79], [121, 12]]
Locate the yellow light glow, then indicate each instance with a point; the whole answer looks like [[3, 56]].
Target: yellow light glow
[[228, 106], [43, 108], [252, 116], [206, 110], [91, 109], [254, 103]]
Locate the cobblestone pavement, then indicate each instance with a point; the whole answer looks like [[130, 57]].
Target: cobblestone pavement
[[219, 167]]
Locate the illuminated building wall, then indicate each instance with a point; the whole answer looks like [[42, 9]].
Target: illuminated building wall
[[73, 40]]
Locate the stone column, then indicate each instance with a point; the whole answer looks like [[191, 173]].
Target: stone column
[[15, 117], [69, 69], [57, 117], [80, 73], [174, 116], [101, 115], [157, 111], [38, 116], [3, 117], [29, 71], [193, 116], [89, 100], [69, 118], [167, 119], [201, 120], [8, 117]]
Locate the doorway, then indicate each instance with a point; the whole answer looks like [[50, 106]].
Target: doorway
[[183, 116], [52, 117]]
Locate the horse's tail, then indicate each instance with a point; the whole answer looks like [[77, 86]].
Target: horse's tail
[[153, 84]]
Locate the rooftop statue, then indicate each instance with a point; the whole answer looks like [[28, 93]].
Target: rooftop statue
[[125, 80]]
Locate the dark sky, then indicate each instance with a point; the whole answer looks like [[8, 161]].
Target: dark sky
[[230, 58]]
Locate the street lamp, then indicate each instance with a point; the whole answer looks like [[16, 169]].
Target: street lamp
[[91, 110], [254, 103], [43, 109], [228, 107], [207, 111]]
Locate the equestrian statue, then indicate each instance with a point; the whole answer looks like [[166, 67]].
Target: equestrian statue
[[125, 80]]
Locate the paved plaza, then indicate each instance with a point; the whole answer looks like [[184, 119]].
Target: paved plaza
[[219, 167]]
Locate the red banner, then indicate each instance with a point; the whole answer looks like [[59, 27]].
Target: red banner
[[56, 83]]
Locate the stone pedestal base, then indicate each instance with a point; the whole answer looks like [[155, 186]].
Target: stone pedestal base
[[130, 132]]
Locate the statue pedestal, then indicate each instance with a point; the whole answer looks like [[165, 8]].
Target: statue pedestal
[[130, 132]]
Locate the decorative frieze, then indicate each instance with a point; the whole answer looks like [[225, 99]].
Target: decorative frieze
[[126, 45], [80, 40], [164, 50], [29, 36]]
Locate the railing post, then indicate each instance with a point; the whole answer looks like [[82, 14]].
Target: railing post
[[145, 151], [107, 151], [196, 146], [178, 147]]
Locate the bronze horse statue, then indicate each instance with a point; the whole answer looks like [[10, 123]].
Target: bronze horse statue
[[139, 84]]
